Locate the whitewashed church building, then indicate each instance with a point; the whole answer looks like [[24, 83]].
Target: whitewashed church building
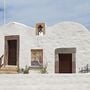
[[64, 47]]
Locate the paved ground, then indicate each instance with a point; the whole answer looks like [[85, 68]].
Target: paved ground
[[45, 82]]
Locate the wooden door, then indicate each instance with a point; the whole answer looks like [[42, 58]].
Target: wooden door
[[12, 52], [65, 63]]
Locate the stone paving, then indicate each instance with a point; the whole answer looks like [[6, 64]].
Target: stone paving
[[45, 81]]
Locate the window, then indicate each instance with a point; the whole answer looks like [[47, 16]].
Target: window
[[40, 29], [36, 57]]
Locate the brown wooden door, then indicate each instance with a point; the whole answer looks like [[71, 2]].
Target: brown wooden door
[[65, 63], [12, 52]]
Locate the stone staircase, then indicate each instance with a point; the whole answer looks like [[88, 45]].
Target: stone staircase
[[8, 70], [45, 82]]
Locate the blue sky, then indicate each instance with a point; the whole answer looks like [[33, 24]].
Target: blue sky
[[51, 12]]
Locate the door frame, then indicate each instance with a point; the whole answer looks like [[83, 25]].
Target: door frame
[[63, 51], [12, 37]]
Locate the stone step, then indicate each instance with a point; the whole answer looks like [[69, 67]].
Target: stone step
[[8, 70]]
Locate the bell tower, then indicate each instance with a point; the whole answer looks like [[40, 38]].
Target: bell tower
[[40, 29]]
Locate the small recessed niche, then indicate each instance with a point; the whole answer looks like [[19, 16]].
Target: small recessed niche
[[36, 57], [40, 29]]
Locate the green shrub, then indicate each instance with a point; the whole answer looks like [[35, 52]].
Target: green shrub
[[24, 70], [43, 69]]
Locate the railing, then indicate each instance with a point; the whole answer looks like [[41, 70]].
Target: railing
[[1, 61]]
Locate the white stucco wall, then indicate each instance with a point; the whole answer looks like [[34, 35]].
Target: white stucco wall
[[62, 35]]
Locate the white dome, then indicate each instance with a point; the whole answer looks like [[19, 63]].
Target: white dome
[[18, 24], [70, 26]]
